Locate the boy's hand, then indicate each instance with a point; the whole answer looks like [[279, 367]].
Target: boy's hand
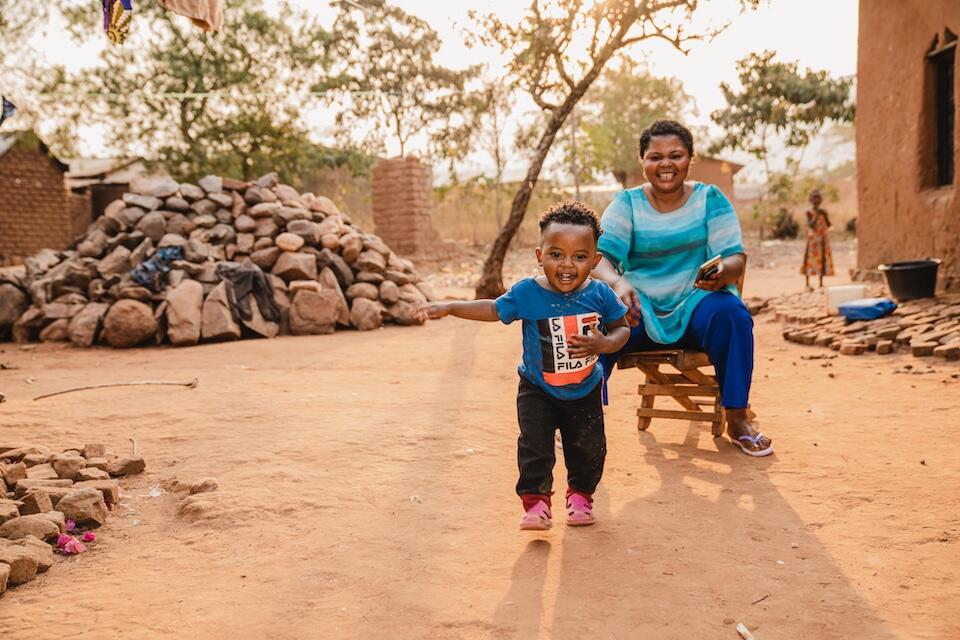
[[592, 344], [432, 310]]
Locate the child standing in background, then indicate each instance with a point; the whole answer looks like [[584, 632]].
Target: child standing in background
[[817, 259], [562, 311]]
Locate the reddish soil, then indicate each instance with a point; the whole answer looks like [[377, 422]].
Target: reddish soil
[[366, 491]]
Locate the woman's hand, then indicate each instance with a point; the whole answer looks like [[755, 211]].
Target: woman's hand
[[628, 294], [713, 282]]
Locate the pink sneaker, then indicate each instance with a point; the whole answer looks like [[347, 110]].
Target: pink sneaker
[[537, 518], [579, 510]]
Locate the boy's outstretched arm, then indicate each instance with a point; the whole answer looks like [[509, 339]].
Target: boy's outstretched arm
[[595, 343], [483, 310]]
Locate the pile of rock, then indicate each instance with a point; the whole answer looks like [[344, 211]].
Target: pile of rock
[[40, 492], [925, 327], [324, 272]]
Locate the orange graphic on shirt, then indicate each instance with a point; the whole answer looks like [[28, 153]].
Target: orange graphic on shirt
[[559, 367]]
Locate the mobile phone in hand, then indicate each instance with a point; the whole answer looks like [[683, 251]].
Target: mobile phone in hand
[[709, 268]]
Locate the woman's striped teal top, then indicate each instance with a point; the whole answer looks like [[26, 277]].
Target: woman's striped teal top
[[660, 253]]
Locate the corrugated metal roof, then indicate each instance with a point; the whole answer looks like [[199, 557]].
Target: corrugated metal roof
[[7, 140]]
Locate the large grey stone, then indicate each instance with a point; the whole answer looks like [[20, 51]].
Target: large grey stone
[[156, 186], [362, 290], [56, 331], [327, 258], [314, 312], [115, 264], [306, 230], [329, 281], [192, 192], [185, 313], [258, 324], [371, 261], [211, 184], [265, 258], [147, 203], [257, 194], [218, 322], [13, 302], [85, 326], [289, 241], [128, 323], [296, 266], [153, 225], [366, 314]]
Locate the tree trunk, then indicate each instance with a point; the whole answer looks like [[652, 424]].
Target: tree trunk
[[491, 279]]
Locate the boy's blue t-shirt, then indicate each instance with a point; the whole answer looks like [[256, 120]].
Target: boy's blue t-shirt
[[549, 319]]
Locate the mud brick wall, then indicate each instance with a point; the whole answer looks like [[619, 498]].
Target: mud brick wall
[[403, 206], [903, 214], [36, 209]]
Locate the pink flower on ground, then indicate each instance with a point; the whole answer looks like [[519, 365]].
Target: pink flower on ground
[[89, 536], [71, 525]]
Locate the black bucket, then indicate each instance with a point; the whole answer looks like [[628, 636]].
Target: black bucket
[[912, 278]]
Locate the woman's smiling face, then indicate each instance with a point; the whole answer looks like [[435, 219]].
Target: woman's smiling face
[[666, 162]]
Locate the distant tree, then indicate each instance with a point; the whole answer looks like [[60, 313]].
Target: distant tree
[[624, 101], [489, 109], [197, 102], [386, 58], [776, 106], [557, 51]]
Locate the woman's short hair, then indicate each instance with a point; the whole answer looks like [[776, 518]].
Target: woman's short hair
[[666, 128]]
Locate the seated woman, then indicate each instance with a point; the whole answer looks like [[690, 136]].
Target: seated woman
[[655, 237]]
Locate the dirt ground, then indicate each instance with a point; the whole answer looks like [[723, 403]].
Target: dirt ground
[[366, 491]]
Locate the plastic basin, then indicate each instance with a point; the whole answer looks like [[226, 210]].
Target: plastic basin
[[911, 278]]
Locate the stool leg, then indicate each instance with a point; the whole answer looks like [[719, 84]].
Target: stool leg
[[646, 401], [643, 422], [719, 418]]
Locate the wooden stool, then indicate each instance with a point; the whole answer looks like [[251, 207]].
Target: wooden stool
[[691, 387], [684, 386]]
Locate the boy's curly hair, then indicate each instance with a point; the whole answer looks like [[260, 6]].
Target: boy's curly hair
[[572, 212]]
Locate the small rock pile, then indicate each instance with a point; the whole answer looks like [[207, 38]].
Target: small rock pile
[[42, 492], [323, 271], [925, 327]]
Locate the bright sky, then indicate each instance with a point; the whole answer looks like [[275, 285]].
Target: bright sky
[[821, 34]]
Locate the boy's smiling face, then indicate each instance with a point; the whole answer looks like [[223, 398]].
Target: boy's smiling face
[[567, 254]]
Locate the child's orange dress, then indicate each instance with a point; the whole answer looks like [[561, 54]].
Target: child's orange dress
[[817, 260]]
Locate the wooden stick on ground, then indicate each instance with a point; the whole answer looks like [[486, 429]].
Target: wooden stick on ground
[[190, 385]]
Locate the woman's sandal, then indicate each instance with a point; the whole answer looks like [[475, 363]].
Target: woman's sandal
[[753, 441]]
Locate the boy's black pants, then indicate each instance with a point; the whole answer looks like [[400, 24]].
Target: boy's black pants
[[581, 429]]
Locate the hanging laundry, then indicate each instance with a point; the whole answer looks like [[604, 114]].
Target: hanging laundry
[[117, 15], [8, 110], [206, 14]]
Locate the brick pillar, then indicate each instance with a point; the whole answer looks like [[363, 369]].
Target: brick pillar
[[403, 206]]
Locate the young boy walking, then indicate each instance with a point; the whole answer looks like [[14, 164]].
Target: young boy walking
[[562, 311]]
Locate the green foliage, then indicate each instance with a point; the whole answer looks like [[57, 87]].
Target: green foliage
[[196, 102], [779, 103], [387, 58], [624, 100], [777, 100], [555, 53]]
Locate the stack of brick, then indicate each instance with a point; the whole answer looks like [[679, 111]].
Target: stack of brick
[[37, 209], [925, 327], [403, 206], [323, 272], [44, 496]]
